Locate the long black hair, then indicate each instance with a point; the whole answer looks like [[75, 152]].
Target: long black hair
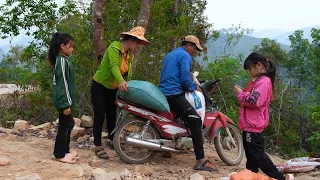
[[56, 41], [254, 58]]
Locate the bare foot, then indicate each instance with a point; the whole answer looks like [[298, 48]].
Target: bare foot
[[71, 156], [67, 159], [75, 155]]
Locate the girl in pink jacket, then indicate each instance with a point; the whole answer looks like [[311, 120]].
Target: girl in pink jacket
[[254, 114]]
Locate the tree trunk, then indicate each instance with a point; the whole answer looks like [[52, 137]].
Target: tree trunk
[[143, 22], [99, 46], [175, 11]]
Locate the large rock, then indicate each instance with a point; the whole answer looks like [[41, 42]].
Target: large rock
[[43, 133], [125, 173], [3, 130], [112, 176], [4, 161], [77, 131], [44, 126], [29, 177], [95, 163], [83, 138], [21, 125], [8, 131], [79, 170], [142, 169], [196, 176], [91, 139], [86, 121], [86, 168], [101, 174], [77, 122]]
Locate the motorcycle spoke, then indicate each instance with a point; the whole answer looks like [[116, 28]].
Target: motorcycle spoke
[[136, 129]]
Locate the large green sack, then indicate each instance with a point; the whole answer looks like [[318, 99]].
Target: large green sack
[[146, 94]]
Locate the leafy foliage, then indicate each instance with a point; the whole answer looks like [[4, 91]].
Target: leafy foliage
[[231, 73]]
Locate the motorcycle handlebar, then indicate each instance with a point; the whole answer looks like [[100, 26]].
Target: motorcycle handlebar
[[207, 85]]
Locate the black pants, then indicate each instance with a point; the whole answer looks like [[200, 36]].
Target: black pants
[[256, 156], [62, 144], [186, 111], [103, 106]]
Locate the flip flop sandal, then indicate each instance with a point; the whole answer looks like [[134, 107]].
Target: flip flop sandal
[[101, 153], [202, 167]]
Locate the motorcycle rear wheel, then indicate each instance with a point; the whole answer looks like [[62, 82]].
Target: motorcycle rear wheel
[[228, 153], [133, 127]]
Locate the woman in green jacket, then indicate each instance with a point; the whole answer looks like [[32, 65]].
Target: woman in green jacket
[[113, 73]]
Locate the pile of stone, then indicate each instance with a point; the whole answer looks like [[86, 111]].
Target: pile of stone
[[49, 129]]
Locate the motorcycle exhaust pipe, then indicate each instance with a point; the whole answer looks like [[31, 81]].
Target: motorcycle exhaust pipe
[[148, 145]]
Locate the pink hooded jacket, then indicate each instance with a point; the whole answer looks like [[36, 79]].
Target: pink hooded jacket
[[254, 105]]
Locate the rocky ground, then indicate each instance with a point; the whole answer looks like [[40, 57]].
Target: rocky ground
[[27, 154]]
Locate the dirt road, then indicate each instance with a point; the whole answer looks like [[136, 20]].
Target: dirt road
[[30, 155]]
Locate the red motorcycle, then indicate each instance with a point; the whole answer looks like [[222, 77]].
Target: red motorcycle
[[141, 132]]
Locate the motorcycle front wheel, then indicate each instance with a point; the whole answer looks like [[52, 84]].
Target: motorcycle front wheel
[[133, 127], [230, 152]]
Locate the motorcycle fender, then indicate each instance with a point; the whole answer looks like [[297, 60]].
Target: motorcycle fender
[[221, 121], [215, 129], [224, 119]]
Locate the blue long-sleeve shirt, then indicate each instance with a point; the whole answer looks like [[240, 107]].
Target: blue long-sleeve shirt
[[176, 73]]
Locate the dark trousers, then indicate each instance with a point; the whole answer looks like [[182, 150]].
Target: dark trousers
[[186, 111], [256, 156], [62, 144], [103, 106]]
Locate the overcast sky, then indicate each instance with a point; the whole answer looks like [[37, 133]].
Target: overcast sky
[[264, 14], [261, 14]]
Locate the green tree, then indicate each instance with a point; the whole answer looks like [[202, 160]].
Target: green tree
[[231, 73], [37, 17], [314, 138], [300, 63], [272, 50]]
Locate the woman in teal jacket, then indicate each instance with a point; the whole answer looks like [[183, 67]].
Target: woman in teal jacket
[[113, 73]]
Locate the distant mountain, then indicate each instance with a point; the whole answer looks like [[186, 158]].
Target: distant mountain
[[244, 46], [284, 38], [268, 33]]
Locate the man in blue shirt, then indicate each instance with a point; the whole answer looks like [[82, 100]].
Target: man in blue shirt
[[176, 79]]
